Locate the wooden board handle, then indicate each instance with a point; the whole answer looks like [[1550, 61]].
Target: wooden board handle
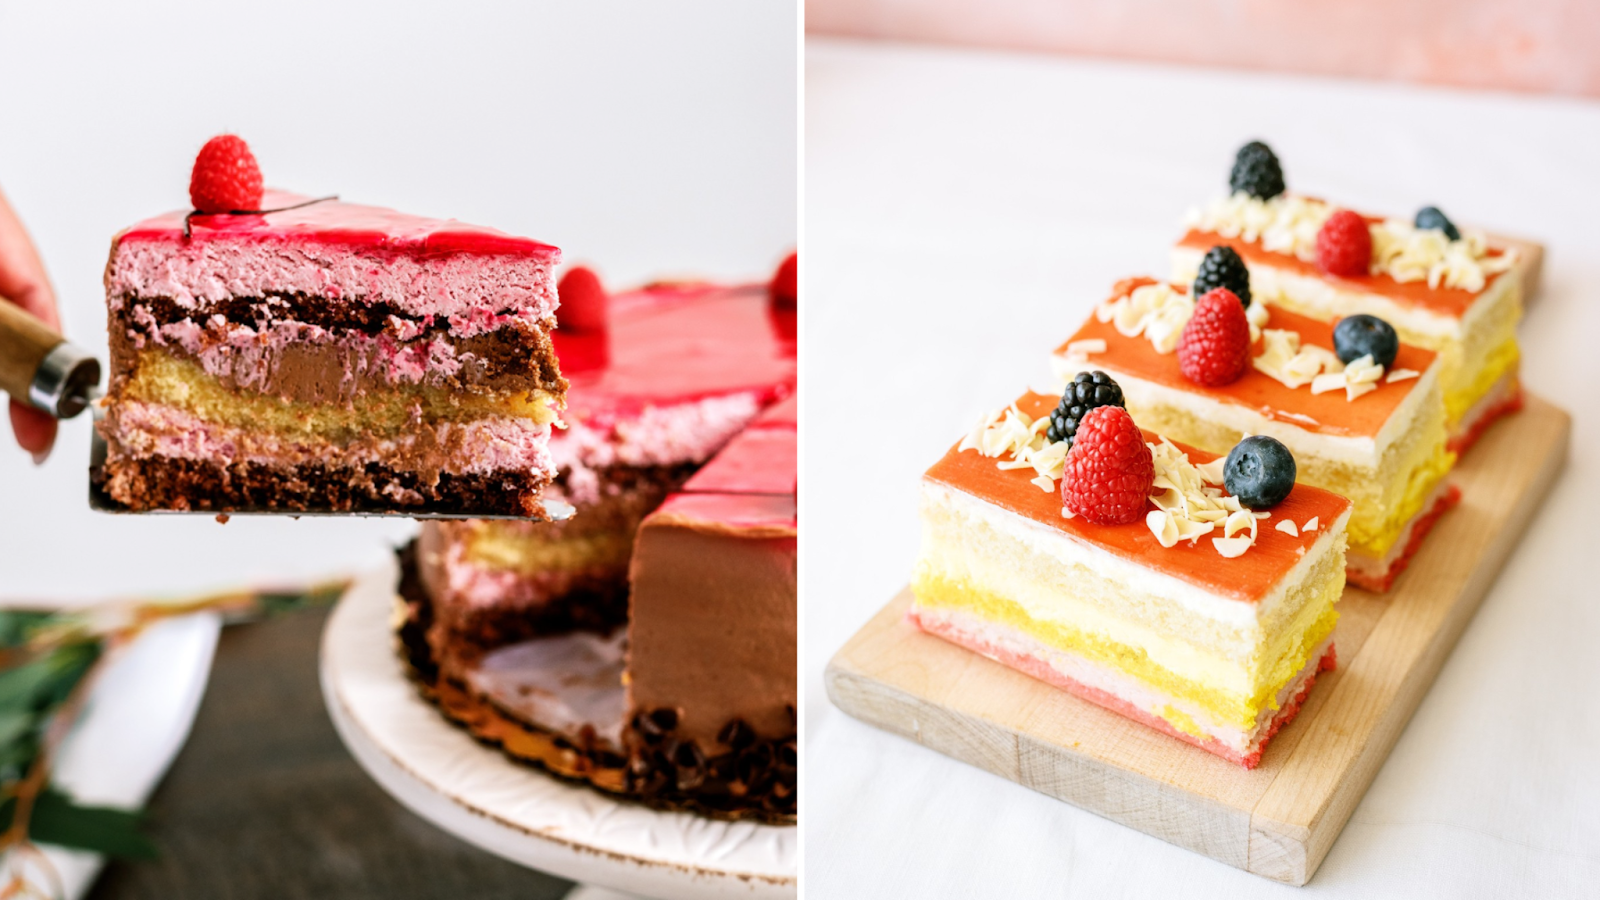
[[24, 341]]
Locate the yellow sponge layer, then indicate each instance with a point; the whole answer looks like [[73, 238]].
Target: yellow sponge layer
[[496, 548], [160, 377], [1461, 396], [1278, 663]]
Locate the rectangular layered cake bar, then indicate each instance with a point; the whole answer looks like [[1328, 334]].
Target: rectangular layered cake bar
[[1200, 619], [1379, 440], [1459, 298], [675, 372], [330, 356]]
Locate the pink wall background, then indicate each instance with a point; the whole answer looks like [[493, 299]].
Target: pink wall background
[[1550, 46]]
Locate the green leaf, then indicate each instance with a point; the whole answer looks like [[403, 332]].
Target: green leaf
[[17, 624], [43, 683], [58, 820]]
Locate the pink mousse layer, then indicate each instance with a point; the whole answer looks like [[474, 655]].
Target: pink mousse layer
[[654, 436], [1115, 693], [420, 266], [487, 445]]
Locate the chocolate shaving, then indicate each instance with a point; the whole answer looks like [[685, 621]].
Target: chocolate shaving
[[251, 212]]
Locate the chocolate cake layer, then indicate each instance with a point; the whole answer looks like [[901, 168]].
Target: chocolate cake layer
[[753, 778], [163, 482], [360, 314]]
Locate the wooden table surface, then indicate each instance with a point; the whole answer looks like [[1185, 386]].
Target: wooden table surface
[[264, 800]]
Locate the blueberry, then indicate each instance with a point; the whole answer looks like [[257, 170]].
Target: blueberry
[[1431, 217], [1357, 336], [1259, 471]]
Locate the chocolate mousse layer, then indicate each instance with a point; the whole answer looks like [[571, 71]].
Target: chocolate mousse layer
[[355, 360]]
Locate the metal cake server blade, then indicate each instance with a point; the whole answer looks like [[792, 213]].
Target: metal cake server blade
[[42, 368]]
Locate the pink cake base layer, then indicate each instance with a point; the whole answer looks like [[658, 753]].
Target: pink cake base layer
[[1503, 399], [493, 444], [657, 436], [1378, 575], [1035, 667]]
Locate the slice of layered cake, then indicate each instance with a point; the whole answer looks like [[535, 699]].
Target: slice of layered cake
[[523, 631], [1139, 583], [290, 354], [1360, 410], [1446, 289]]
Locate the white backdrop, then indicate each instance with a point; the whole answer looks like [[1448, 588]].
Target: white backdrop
[[964, 211], [645, 138]]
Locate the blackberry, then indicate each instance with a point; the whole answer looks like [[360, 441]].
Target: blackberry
[[1256, 172], [1087, 391], [1259, 471], [1431, 217], [1222, 267], [1360, 335]]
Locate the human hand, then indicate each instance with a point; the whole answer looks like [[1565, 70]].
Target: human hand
[[23, 282]]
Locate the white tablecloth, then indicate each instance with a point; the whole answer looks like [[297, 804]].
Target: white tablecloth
[[963, 213]]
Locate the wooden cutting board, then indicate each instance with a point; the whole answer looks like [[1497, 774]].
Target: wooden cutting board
[[1279, 819]]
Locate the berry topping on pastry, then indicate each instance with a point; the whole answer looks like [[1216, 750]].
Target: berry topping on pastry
[[1364, 335], [226, 177], [1214, 348], [1344, 245], [1223, 268], [1087, 391], [1109, 470], [1256, 172], [1259, 471]]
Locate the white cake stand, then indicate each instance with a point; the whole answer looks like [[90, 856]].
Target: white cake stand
[[481, 796]]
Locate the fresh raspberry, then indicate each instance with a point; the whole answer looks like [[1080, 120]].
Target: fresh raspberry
[[1109, 469], [1344, 245], [583, 301], [784, 289], [226, 177], [1214, 348]]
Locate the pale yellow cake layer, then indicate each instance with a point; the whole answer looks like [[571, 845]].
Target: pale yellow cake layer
[[161, 378], [1223, 688], [1386, 496], [500, 549], [1230, 669]]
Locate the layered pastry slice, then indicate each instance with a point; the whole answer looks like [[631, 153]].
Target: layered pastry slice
[[522, 631], [1450, 290], [329, 356], [1175, 606], [1373, 433]]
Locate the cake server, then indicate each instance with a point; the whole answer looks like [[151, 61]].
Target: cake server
[[48, 372]]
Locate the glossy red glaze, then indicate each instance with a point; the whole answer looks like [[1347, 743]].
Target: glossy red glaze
[[1247, 578], [677, 344], [1333, 414], [370, 229]]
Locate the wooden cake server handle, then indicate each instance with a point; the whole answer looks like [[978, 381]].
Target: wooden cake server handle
[[41, 367]]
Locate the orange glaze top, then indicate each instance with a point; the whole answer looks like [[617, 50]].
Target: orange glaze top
[[1333, 414], [1453, 302], [1247, 578]]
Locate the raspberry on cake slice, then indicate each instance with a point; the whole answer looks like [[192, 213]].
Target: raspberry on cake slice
[[274, 352], [1134, 572], [1360, 410], [1452, 291]]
